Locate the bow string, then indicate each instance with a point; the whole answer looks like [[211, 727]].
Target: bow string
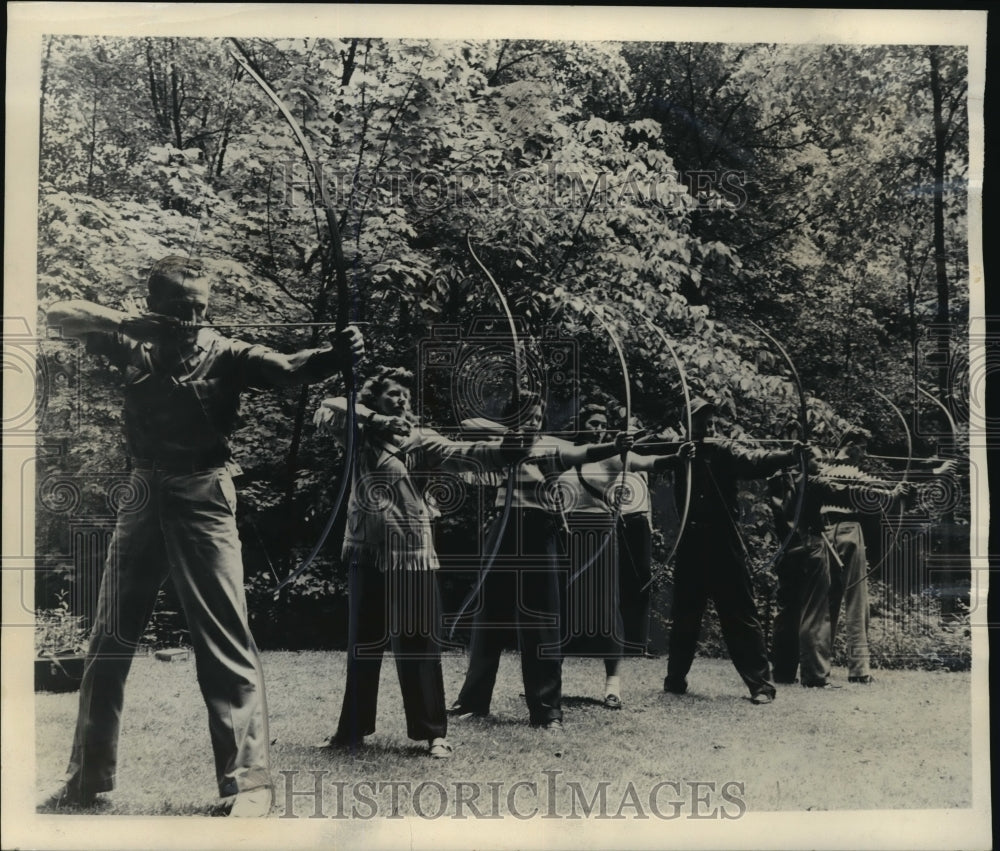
[[897, 531], [689, 429], [623, 362], [803, 464], [343, 300], [501, 525]]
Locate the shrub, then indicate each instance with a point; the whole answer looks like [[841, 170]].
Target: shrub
[[906, 631], [310, 613], [58, 631], [913, 631]]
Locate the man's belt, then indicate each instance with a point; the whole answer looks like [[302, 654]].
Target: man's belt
[[833, 517], [181, 465]]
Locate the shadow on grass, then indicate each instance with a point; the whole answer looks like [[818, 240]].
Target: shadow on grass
[[373, 748], [572, 702], [109, 807], [101, 806], [490, 720], [689, 697], [712, 732]]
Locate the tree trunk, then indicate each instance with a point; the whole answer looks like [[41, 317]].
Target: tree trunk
[[223, 147], [175, 106], [155, 92], [941, 333], [349, 63], [92, 152], [41, 99]]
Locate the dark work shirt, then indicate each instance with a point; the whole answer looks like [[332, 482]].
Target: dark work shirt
[[184, 414], [716, 470], [784, 490]]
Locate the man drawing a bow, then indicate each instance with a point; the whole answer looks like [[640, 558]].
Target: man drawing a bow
[[182, 389]]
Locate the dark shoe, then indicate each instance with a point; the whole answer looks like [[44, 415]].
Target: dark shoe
[[865, 680], [762, 699], [673, 688], [337, 742], [612, 701], [66, 796], [782, 681], [463, 713], [252, 803]]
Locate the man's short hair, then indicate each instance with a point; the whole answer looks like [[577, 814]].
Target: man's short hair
[[170, 275]]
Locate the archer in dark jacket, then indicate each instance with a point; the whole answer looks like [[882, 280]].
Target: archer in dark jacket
[[712, 558]]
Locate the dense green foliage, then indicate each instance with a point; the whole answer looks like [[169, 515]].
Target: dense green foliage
[[691, 185]]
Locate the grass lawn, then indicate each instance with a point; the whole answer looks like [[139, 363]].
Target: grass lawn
[[901, 743]]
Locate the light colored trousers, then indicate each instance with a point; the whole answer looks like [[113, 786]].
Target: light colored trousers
[[183, 525], [850, 586]]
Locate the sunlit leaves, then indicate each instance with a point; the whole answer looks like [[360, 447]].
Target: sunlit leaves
[[690, 185]]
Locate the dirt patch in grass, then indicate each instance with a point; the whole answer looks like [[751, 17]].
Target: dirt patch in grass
[[903, 742]]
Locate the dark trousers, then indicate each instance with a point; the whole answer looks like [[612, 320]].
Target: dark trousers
[[520, 592], [183, 526], [634, 571], [591, 603], [710, 567], [397, 610], [785, 638], [802, 627]]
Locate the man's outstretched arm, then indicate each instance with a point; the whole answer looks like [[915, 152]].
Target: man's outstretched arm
[[311, 365], [78, 318]]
